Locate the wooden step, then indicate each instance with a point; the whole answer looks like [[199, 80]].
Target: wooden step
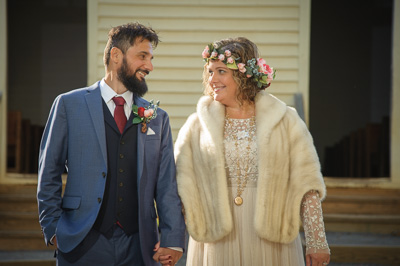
[[19, 221], [28, 263], [362, 201], [365, 255], [18, 202], [18, 189], [364, 248], [367, 223], [27, 258], [362, 204], [22, 240]]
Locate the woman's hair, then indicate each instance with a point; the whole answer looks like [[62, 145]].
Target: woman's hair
[[244, 49], [125, 36]]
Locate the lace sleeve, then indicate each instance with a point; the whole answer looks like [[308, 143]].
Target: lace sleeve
[[313, 224]]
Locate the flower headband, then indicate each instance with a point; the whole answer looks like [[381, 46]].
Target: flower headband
[[258, 69]]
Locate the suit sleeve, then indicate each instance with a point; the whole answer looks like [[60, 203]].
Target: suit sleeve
[[52, 161], [169, 206]]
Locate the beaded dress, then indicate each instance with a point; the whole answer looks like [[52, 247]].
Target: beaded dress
[[242, 246]]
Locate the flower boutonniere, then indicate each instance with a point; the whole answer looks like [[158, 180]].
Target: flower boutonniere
[[144, 114]]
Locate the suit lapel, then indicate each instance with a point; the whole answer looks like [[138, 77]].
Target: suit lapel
[[94, 103], [141, 140]]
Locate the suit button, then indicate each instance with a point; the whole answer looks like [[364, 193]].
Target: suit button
[[120, 199], [121, 156], [99, 200], [103, 174], [121, 170], [121, 184], [122, 142]]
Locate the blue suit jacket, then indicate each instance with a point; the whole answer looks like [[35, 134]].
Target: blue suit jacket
[[75, 137]]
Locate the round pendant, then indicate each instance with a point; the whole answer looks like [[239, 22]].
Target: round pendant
[[238, 201]]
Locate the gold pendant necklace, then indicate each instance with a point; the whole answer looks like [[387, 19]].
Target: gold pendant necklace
[[238, 200]]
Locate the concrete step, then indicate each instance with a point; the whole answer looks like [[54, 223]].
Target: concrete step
[[22, 240]]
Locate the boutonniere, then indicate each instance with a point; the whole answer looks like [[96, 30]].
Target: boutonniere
[[144, 115]]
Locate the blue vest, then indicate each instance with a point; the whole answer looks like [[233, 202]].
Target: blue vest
[[120, 201]]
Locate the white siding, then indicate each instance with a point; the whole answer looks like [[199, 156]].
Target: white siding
[[279, 28]]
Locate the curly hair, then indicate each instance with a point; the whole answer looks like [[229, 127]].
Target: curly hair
[[244, 49], [125, 36]]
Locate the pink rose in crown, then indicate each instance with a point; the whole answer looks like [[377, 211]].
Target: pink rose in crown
[[221, 57], [148, 112], [270, 77], [214, 54], [263, 67], [241, 67], [230, 60], [228, 53], [205, 54], [249, 76]]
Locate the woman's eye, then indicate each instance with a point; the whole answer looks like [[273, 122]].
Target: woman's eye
[[222, 71]]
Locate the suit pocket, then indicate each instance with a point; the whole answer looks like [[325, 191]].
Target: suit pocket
[[71, 203], [153, 132]]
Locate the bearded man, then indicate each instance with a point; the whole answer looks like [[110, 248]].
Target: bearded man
[[118, 162]]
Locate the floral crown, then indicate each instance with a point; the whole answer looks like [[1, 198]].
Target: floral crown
[[261, 73]]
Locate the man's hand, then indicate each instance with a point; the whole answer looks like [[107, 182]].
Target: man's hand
[[166, 256], [54, 240]]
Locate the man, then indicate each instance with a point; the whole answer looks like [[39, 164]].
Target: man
[[116, 168]]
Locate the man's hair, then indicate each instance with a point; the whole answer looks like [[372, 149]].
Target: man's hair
[[125, 36]]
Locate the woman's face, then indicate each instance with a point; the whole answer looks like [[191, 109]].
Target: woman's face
[[221, 81]]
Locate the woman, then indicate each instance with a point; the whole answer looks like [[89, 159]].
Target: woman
[[247, 169]]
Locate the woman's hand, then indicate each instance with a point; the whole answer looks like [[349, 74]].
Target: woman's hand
[[317, 259]]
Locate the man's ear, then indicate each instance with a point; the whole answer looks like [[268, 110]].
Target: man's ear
[[116, 55]]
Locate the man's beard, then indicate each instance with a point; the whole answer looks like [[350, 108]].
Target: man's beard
[[131, 82]]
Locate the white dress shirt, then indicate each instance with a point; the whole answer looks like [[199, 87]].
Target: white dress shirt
[[107, 93]]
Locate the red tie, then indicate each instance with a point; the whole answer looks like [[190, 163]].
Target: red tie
[[119, 113]]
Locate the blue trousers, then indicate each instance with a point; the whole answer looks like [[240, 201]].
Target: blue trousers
[[120, 250]]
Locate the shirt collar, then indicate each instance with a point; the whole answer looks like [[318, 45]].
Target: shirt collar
[[108, 93]]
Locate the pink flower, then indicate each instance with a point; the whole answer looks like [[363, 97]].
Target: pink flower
[[228, 53], [221, 57], [261, 61], [241, 67], [205, 54], [230, 60], [148, 113], [214, 54], [263, 67], [249, 76], [268, 69], [270, 77]]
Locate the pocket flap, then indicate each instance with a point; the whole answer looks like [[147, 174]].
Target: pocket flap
[[70, 202]]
